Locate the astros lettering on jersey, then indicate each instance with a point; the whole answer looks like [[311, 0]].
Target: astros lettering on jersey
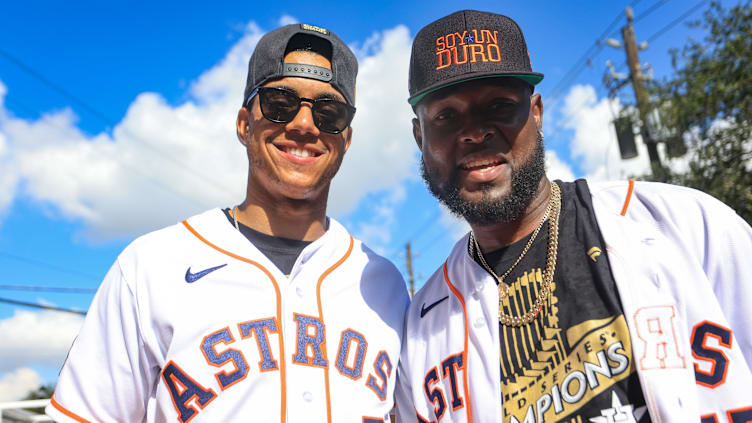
[[212, 332]]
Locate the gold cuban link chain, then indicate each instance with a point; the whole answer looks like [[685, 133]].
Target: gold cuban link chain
[[553, 210]]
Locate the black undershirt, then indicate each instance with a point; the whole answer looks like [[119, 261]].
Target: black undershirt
[[581, 322], [283, 252]]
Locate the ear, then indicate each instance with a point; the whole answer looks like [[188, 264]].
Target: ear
[[348, 137], [536, 108], [417, 134], [243, 125]]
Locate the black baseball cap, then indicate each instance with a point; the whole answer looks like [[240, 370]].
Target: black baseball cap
[[267, 60], [467, 45]]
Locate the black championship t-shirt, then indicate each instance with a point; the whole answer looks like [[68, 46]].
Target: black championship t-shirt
[[574, 362], [283, 252]]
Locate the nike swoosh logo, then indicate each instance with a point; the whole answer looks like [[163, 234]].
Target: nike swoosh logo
[[424, 309], [193, 277]]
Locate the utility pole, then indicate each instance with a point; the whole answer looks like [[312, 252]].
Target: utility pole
[[643, 102], [409, 260]]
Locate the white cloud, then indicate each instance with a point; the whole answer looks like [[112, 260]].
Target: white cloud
[[8, 175], [31, 338], [287, 20], [8, 178], [556, 168], [382, 153], [16, 385], [375, 232], [456, 226], [223, 84], [594, 142], [162, 162]]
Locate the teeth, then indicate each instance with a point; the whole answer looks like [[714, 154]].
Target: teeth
[[481, 162], [299, 152]]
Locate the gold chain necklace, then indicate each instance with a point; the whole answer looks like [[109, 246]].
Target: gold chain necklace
[[235, 217], [553, 209]]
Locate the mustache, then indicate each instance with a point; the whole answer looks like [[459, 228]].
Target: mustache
[[489, 210]]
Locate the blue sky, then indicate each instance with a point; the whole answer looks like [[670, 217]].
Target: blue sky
[[118, 119]]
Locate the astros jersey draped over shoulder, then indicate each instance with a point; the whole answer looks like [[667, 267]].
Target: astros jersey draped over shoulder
[[680, 263], [213, 332]]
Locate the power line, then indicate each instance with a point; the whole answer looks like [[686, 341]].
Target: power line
[[414, 235], [423, 226], [55, 87], [589, 54], [593, 51], [48, 289], [660, 32], [54, 267], [676, 21], [107, 120], [650, 10], [430, 244], [43, 307]]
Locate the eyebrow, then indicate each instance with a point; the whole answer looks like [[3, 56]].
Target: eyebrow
[[329, 96]]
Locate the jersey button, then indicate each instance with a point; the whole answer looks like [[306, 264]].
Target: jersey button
[[479, 322], [299, 291], [307, 396]]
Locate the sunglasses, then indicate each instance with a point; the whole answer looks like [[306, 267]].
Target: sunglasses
[[281, 106]]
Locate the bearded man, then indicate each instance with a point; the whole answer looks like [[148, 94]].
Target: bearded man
[[567, 302]]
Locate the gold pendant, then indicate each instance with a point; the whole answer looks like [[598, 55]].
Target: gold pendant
[[503, 290]]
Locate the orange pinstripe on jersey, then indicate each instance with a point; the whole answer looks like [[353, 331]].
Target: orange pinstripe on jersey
[[464, 351], [321, 317], [629, 197], [65, 411], [283, 393]]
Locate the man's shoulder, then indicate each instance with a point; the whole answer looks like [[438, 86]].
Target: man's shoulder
[[373, 262], [622, 187], [437, 287], [169, 239], [641, 199], [372, 257]]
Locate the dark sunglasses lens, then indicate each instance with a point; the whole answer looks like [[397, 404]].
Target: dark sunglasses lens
[[279, 105], [331, 115]]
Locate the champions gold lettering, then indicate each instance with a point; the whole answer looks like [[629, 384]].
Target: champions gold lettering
[[477, 45], [598, 361]]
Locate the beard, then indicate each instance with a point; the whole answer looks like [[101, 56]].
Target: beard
[[488, 210]]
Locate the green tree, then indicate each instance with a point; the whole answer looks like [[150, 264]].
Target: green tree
[[43, 392], [708, 104]]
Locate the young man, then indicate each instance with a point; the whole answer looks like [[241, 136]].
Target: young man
[[567, 302], [267, 311]]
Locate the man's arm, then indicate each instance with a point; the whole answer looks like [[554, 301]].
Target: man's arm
[[403, 393], [707, 230], [106, 376], [728, 264]]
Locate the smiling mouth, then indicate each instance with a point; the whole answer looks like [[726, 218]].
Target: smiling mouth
[[481, 164], [298, 152]]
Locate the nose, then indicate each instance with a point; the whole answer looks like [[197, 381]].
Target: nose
[[303, 123], [476, 132]]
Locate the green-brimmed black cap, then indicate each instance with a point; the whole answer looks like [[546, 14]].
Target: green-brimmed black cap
[[467, 45]]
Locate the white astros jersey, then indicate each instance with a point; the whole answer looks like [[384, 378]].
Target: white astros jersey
[[682, 267], [193, 323]]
